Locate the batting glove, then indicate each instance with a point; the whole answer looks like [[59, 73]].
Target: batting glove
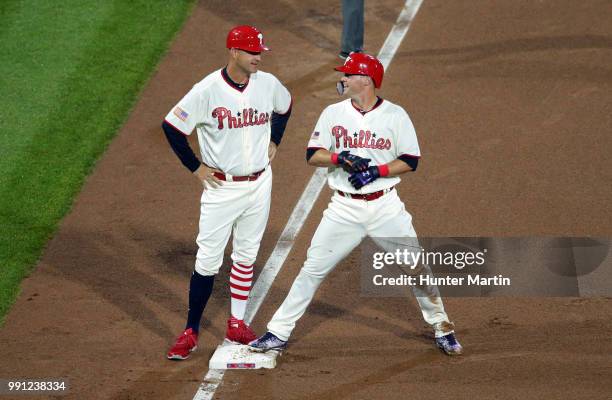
[[360, 179], [352, 162]]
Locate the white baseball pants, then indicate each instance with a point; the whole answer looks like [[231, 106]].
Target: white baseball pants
[[344, 225], [239, 206]]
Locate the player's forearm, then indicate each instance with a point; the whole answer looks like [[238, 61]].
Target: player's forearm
[[321, 158], [398, 167]]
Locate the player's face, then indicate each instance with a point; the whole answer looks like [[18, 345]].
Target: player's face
[[248, 61], [354, 84]]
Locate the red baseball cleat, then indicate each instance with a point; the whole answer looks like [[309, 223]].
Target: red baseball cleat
[[185, 344], [239, 332]]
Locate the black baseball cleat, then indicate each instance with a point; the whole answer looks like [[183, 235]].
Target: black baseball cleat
[[343, 54], [449, 345], [267, 342]]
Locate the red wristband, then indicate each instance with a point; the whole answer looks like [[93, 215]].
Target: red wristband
[[383, 170], [334, 158]]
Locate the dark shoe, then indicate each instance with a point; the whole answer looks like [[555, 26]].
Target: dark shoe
[[267, 342], [449, 345], [343, 54]]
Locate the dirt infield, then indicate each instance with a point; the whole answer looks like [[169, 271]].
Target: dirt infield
[[511, 102]]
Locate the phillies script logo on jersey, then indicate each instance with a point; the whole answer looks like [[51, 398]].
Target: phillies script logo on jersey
[[248, 117], [364, 139]]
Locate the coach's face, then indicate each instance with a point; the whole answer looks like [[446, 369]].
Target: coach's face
[[247, 61]]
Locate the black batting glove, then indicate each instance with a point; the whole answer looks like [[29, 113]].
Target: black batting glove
[[360, 179], [352, 163]]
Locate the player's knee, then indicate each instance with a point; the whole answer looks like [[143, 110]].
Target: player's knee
[[207, 267], [313, 270]]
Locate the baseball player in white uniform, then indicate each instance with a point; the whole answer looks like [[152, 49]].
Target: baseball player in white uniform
[[240, 115], [348, 137]]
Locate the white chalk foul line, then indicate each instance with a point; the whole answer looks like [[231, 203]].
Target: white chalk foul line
[[398, 32], [214, 377], [285, 243]]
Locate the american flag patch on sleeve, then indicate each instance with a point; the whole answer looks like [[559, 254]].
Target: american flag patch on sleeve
[[180, 113], [315, 134]]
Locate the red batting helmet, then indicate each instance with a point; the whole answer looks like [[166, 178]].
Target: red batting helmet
[[246, 38], [363, 64]]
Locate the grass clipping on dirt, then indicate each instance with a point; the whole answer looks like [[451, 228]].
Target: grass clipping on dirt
[[71, 71]]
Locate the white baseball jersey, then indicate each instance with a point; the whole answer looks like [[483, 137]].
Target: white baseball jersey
[[233, 127], [383, 134]]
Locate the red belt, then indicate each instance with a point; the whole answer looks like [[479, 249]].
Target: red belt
[[366, 196], [232, 178]]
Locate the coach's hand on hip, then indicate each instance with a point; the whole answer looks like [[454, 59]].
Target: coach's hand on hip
[[272, 147], [205, 175]]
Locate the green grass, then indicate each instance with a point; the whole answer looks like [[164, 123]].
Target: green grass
[[70, 71]]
